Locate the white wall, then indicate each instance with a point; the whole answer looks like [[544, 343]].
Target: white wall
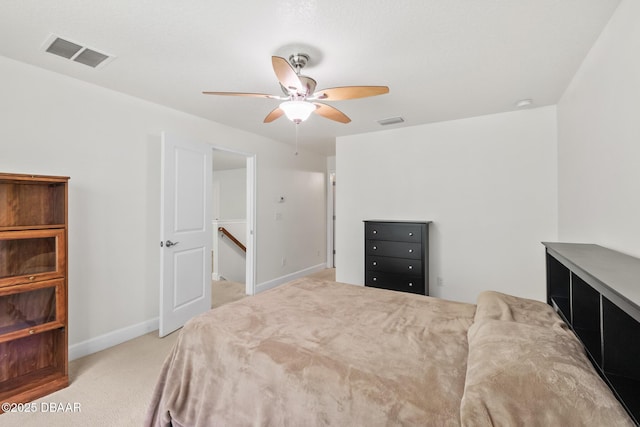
[[487, 183], [230, 194], [599, 140], [108, 143], [301, 218]]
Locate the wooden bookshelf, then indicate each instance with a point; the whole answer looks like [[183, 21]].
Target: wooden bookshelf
[[33, 286]]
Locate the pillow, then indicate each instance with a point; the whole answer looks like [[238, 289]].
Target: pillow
[[522, 374], [498, 306]]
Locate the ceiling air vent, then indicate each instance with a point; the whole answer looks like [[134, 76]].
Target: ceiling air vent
[[391, 121], [75, 52]]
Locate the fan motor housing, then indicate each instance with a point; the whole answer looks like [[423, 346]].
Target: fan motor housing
[[298, 60]]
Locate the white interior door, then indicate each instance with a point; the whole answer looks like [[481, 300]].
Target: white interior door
[[185, 274]]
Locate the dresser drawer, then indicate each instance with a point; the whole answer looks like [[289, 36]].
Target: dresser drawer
[[395, 282], [393, 249], [393, 231], [394, 265]]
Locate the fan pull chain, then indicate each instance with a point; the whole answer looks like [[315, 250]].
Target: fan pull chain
[[297, 124]]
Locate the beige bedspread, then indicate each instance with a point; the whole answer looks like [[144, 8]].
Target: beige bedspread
[[318, 353], [527, 368]]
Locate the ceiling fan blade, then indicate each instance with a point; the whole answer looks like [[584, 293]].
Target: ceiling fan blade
[[286, 74], [331, 113], [349, 92], [276, 113], [252, 95]]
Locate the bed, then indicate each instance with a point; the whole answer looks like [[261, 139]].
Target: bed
[[321, 353]]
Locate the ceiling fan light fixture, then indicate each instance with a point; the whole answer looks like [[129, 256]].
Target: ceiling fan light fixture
[[300, 93], [297, 111]]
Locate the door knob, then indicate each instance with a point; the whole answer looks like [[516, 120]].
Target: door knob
[[170, 243]]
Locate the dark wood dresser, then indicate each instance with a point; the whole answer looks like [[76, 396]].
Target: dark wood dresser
[[397, 255], [597, 292]]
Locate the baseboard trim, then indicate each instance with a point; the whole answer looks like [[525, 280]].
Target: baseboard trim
[[110, 339], [119, 336], [261, 287]]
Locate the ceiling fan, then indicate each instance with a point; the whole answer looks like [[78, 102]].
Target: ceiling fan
[[300, 95]]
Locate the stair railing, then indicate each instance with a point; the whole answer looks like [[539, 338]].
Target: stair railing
[[231, 237]]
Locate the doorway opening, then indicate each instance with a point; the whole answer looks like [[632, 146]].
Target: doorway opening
[[233, 189]]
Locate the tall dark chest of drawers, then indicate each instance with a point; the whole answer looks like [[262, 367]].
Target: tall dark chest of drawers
[[397, 255]]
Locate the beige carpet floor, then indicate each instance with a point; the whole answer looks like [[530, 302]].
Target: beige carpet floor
[[224, 291], [113, 387]]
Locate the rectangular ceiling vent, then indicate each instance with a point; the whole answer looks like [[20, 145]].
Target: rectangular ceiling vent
[[76, 52], [391, 121]]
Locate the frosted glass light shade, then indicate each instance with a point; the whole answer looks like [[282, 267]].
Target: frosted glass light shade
[[297, 111]]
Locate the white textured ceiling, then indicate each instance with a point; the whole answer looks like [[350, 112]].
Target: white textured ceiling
[[442, 59]]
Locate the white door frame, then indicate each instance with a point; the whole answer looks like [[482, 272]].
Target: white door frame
[[250, 264], [330, 217], [250, 287]]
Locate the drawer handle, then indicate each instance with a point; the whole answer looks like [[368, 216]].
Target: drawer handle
[[375, 248], [375, 279], [411, 267], [374, 263], [410, 284], [411, 233], [410, 251], [375, 231], [32, 277], [31, 331]]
